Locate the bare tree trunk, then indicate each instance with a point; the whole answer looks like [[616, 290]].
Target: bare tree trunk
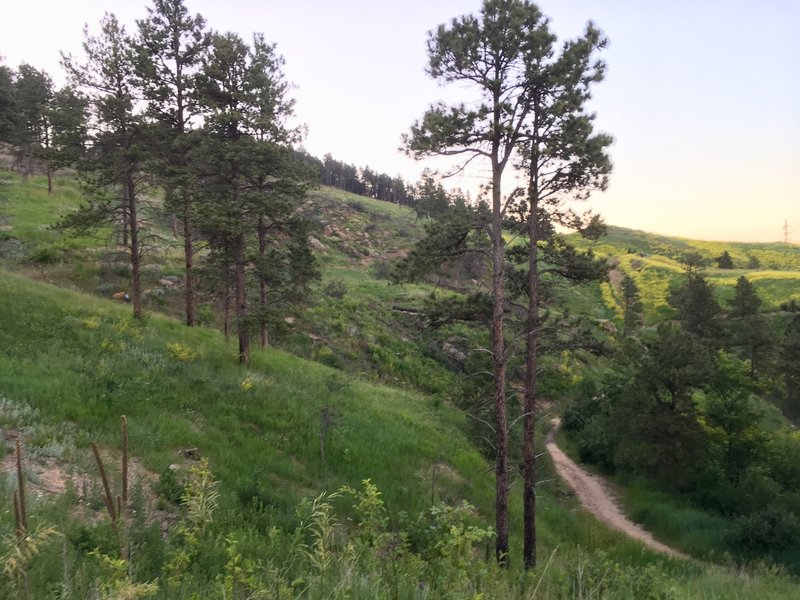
[[532, 351], [188, 254], [241, 302], [226, 310], [49, 179], [499, 372], [262, 282], [135, 249]]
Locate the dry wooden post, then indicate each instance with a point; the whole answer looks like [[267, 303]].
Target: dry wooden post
[[124, 462], [18, 517], [108, 498], [22, 518]]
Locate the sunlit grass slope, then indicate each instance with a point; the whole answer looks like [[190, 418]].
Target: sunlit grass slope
[[83, 360], [654, 263]]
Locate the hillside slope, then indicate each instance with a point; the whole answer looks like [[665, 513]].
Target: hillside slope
[[654, 263], [72, 364], [278, 433]]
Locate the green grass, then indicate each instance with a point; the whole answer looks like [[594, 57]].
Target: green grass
[[28, 212], [676, 523], [78, 363], [71, 364], [653, 262], [84, 361]]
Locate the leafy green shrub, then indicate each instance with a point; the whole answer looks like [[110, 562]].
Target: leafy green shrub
[[383, 269], [766, 532], [169, 488], [335, 288], [356, 206], [45, 255]]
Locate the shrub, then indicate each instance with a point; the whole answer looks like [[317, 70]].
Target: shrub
[[335, 288], [765, 532]]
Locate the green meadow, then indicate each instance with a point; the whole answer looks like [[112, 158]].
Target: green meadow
[[354, 391]]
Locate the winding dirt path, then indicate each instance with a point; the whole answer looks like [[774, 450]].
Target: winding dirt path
[[596, 497]]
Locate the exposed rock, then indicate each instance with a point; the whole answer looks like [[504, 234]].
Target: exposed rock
[[191, 453], [316, 244], [351, 251], [166, 282], [453, 352], [608, 326]]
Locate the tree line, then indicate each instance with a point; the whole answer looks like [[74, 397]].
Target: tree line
[[687, 403], [202, 117], [427, 197]]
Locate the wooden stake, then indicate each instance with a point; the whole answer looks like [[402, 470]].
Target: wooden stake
[[18, 517], [124, 462], [108, 497], [23, 518]]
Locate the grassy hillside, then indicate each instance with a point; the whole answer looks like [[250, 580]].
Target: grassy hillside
[[653, 261], [72, 363]]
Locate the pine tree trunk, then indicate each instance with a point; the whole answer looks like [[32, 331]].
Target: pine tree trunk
[[529, 408], [49, 179], [136, 276], [226, 310], [262, 248], [125, 220], [188, 254], [499, 372], [241, 302]]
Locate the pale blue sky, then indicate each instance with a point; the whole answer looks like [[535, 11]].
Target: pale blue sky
[[703, 96]]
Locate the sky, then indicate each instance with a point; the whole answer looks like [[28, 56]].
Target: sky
[[701, 96]]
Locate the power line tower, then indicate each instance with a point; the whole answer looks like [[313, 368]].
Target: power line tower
[[786, 230]]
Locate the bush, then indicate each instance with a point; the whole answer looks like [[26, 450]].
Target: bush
[[335, 288], [765, 532]]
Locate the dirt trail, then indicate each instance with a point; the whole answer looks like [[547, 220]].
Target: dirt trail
[[595, 497]]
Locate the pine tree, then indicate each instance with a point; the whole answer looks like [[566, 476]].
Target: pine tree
[[632, 307], [655, 420], [749, 329], [724, 261], [69, 116], [33, 95], [790, 366], [523, 100], [698, 309], [488, 53], [745, 301], [252, 184], [113, 168], [8, 112], [171, 47], [432, 200], [565, 160]]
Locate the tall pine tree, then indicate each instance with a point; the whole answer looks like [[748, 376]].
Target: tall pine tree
[[487, 53], [113, 167], [251, 185], [171, 47], [565, 160]]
